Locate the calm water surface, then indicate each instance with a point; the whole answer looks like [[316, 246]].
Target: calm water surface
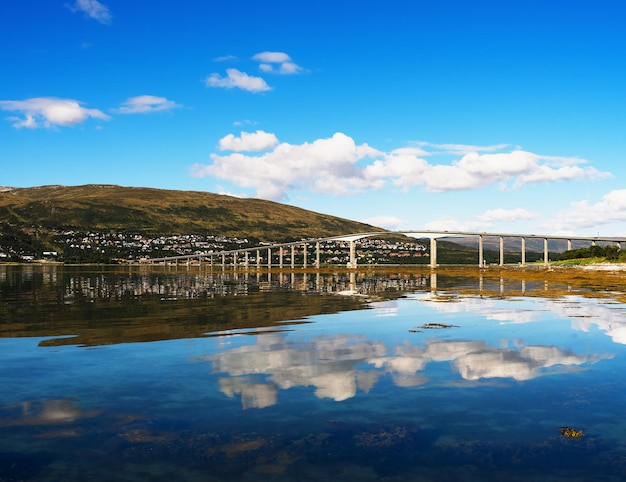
[[132, 375]]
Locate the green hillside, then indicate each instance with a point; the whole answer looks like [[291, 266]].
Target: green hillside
[[160, 212]]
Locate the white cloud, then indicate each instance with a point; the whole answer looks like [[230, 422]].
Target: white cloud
[[225, 58], [452, 224], [246, 122], [500, 215], [237, 79], [338, 166], [231, 194], [410, 151], [583, 214], [483, 222], [272, 57], [277, 62], [144, 104], [324, 166], [459, 149], [387, 222], [248, 141], [474, 170], [396, 166], [564, 173], [289, 68], [93, 9], [49, 111]]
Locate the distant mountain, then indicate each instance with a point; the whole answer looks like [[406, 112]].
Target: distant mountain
[[110, 208], [514, 245]]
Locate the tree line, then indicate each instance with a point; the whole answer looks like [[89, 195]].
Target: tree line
[[610, 252]]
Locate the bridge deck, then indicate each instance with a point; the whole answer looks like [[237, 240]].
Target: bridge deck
[[433, 236]]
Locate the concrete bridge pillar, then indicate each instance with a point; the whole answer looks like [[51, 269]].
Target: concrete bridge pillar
[[523, 251], [258, 259], [280, 257], [246, 260], [352, 263], [223, 261], [304, 252], [269, 258], [235, 261], [317, 254], [569, 244], [433, 252], [501, 251], [293, 256], [481, 257], [545, 251]]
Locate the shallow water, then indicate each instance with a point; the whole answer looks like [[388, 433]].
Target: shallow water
[[191, 375]]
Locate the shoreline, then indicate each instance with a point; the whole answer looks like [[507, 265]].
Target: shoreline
[[597, 266], [539, 264], [605, 267]]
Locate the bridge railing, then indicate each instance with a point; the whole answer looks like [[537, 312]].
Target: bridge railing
[[235, 255]]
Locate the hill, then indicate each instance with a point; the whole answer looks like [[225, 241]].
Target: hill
[[150, 211], [31, 218], [514, 245]]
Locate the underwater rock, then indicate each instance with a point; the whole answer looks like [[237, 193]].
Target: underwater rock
[[570, 432]]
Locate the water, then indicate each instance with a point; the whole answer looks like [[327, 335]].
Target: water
[[132, 374]]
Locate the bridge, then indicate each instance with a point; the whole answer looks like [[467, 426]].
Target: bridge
[[240, 258]]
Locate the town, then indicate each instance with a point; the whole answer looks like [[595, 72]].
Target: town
[[71, 246]]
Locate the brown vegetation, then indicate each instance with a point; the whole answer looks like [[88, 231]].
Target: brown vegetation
[[108, 208]]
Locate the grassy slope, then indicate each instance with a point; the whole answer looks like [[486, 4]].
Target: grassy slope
[[156, 211]]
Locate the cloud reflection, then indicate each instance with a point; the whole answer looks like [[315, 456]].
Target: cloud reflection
[[253, 395], [338, 366], [585, 315], [326, 363], [50, 412], [582, 314]]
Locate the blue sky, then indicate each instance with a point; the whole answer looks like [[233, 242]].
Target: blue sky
[[486, 116]]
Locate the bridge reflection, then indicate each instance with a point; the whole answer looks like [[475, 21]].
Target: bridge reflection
[[122, 305]]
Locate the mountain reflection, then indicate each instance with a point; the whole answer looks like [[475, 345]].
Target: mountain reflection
[[108, 306], [296, 375], [338, 366]]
